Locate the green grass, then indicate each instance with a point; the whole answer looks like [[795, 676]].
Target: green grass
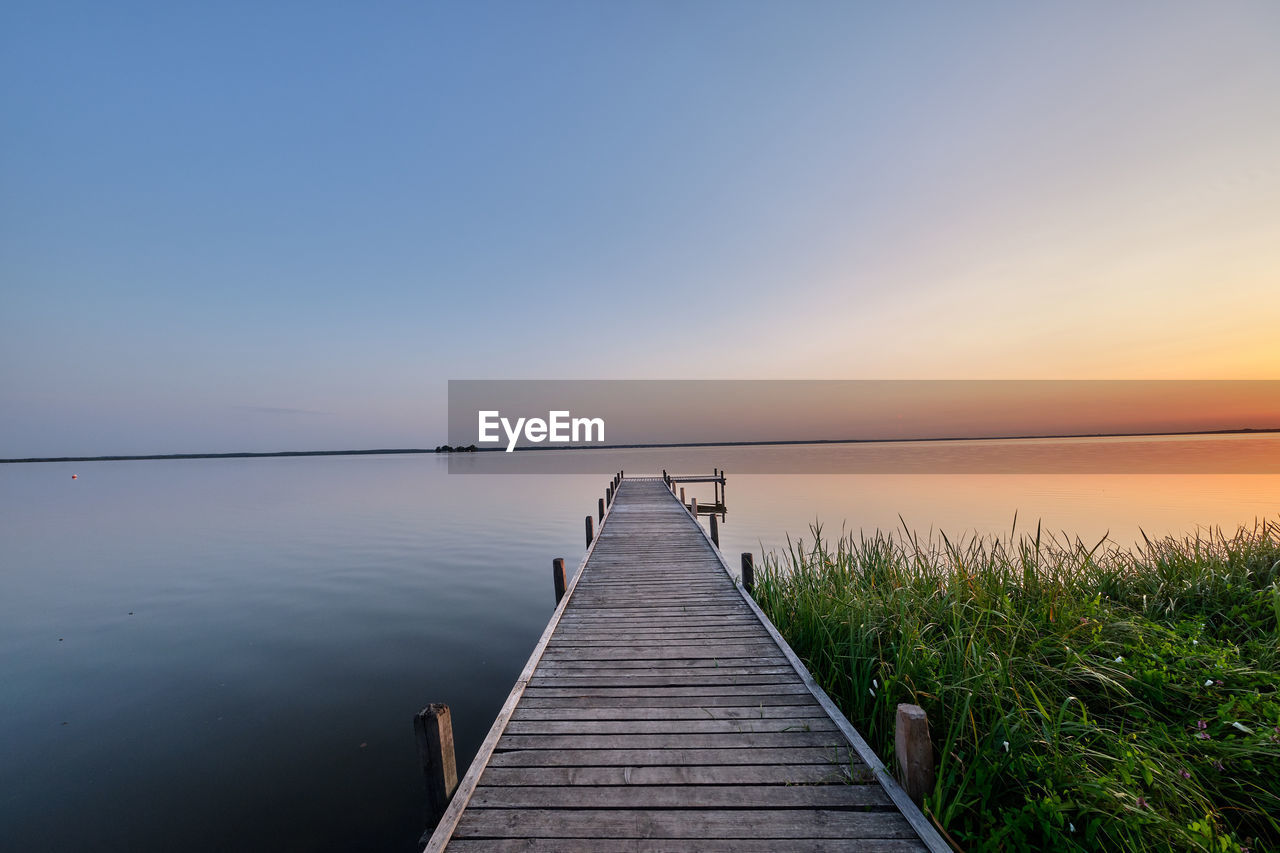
[[1079, 696]]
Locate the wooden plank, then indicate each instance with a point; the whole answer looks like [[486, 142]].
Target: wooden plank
[[659, 623], [728, 740], [654, 595], [639, 663], [741, 725], [676, 678], [681, 823], [698, 691], [657, 636], [746, 701], [639, 659], [735, 774], [839, 755], [863, 797], [684, 845], [741, 650], [575, 711], [670, 613]]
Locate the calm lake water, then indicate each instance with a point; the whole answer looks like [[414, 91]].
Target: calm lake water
[[227, 654]]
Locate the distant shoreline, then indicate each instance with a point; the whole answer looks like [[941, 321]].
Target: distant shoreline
[[767, 443]]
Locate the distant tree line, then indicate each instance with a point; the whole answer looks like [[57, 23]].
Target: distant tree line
[[444, 448]]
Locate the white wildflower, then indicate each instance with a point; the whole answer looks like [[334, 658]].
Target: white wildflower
[[1006, 746], [1119, 658], [872, 692], [875, 683], [1243, 728], [1071, 827], [1208, 682], [1195, 642]]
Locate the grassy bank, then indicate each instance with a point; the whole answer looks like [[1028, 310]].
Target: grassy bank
[[1080, 696]]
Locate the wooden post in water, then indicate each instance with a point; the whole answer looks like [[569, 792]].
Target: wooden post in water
[[601, 510], [915, 751], [682, 500], [693, 507], [557, 576], [748, 571], [590, 533], [715, 531], [434, 729]]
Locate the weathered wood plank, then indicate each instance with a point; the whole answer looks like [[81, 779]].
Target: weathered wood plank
[[734, 774], [728, 740], [683, 726], [746, 703], [647, 633], [862, 797], [696, 691], [707, 666], [680, 823], [753, 650], [640, 660], [837, 756], [676, 678], [576, 711], [685, 845], [699, 635]]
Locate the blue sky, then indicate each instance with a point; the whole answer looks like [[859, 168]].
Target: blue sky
[[260, 226]]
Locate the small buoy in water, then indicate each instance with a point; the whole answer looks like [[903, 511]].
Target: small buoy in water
[[75, 476]]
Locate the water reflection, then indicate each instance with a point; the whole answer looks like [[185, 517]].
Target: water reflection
[[226, 654]]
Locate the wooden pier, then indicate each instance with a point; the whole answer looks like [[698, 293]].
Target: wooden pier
[[661, 710]]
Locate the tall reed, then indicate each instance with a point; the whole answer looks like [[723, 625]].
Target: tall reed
[[1080, 695]]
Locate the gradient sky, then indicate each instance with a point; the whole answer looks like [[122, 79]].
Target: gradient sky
[[263, 226]]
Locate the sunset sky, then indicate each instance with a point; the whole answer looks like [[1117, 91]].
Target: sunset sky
[[268, 226]]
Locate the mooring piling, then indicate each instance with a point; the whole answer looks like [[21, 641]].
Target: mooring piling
[[914, 750], [557, 577], [433, 727]]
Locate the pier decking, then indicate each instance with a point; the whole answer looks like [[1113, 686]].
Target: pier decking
[[660, 711]]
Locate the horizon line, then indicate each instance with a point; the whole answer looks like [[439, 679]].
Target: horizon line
[[759, 443]]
